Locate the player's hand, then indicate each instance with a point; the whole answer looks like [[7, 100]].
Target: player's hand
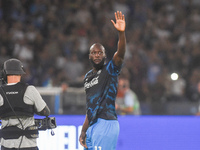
[[120, 24], [82, 139]]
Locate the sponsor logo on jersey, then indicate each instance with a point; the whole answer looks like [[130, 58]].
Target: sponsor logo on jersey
[[91, 83]]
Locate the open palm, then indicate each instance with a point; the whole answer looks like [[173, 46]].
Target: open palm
[[120, 24]]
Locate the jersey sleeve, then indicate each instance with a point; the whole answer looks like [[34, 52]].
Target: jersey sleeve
[[113, 69], [33, 97]]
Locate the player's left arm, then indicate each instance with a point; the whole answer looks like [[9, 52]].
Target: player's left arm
[[120, 25], [82, 137]]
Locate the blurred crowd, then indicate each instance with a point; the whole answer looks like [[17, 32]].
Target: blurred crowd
[[52, 39]]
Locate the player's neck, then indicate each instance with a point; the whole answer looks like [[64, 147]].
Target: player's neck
[[94, 70]]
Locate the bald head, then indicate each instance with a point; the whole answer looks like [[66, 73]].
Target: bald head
[[97, 55], [97, 46]]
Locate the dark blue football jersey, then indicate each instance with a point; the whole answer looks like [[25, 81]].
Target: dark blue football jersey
[[101, 91]]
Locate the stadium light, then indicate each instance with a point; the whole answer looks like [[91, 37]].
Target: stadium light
[[174, 76]]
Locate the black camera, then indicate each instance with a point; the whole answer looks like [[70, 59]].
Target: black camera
[[46, 123]]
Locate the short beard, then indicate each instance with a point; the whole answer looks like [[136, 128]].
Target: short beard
[[99, 65]]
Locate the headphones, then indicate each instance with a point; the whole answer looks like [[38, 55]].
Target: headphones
[[11, 67]]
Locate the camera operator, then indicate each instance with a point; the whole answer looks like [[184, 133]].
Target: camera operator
[[18, 103]]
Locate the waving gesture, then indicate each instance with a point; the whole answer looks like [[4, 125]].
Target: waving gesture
[[120, 21]]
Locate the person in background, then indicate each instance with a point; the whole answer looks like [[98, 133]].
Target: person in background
[[197, 98], [101, 128], [18, 103], [127, 102]]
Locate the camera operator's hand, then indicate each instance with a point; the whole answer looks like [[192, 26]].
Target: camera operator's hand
[[82, 139]]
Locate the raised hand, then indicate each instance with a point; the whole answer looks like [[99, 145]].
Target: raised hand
[[120, 24]]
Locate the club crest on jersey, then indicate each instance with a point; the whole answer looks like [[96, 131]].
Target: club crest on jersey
[[99, 72], [91, 83]]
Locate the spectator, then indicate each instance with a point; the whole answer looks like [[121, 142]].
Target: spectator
[[127, 102]]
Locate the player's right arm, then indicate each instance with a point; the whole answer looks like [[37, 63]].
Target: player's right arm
[[120, 25], [82, 137]]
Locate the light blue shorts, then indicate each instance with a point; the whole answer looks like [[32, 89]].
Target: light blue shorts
[[102, 135]]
